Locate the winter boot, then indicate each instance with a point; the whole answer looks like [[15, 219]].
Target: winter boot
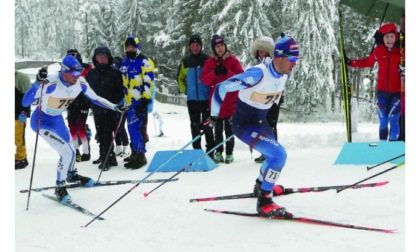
[[98, 161], [77, 154], [74, 177], [277, 189], [127, 159], [260, 159], [137, 161], [61, 192], [20, 164], [229, 158], [84, 157], [218, 157], [111, 161], [266, 206]]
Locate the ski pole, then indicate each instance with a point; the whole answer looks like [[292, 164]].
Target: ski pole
[[36, 142], [387, 170], [384, 162], [111, 145], [188, 165], [141, 181]]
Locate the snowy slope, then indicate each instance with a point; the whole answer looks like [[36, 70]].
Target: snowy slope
[[166, 221]]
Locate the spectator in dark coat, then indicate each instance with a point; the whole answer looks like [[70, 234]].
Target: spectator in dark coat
[[107, 82]]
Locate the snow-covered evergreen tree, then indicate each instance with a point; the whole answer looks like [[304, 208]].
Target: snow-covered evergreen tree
[[313, 25]]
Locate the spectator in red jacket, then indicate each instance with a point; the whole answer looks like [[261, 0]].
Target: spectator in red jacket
[[219, 67], [387, 55], [77, 114]]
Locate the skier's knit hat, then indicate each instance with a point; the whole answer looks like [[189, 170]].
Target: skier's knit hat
[[71, 64], [195, 38], [286, 46]]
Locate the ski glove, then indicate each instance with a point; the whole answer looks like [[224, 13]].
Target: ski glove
[[42, 74], [142, 106], [220, 69], [121, 107]]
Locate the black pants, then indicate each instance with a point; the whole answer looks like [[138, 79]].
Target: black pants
[[199, 111], [226, 126], [122, 137], [105, 124]]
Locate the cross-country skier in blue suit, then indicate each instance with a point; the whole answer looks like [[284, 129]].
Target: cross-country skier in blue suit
[[58, 91], [259, 87]]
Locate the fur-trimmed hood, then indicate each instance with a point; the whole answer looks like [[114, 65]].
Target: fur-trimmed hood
[[264, 43]]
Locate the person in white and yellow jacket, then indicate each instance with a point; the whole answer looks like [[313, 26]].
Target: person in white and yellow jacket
[[138, 80]]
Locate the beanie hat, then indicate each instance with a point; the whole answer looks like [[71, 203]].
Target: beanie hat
[[264, 43], [75, 53], [132, 40], [216, 39], [71, 64], [389, 28], [285, 47], [195, 38]]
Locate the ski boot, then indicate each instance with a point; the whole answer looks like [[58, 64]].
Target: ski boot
[[266, 206], [61, 192], [74, 177]]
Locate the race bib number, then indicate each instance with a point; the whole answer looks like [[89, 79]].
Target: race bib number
[[59, 103], [271, 176], [265, 98]]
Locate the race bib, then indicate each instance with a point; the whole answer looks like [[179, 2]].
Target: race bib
[[59, 103], [265, 98], [271, 176]]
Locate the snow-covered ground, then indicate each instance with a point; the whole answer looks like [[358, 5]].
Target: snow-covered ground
[[167, 221]]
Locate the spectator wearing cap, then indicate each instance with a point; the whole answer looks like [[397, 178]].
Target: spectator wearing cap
[[107, 82], [56, 92], [219, 67], [262, 50], [388, 87], [259, 87], [139, 82], [77, 114], [189, 83]]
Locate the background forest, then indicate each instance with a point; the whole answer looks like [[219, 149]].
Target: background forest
[[45, 29]]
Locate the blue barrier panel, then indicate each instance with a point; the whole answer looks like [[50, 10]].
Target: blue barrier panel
[[371, 153], [183, 159]]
